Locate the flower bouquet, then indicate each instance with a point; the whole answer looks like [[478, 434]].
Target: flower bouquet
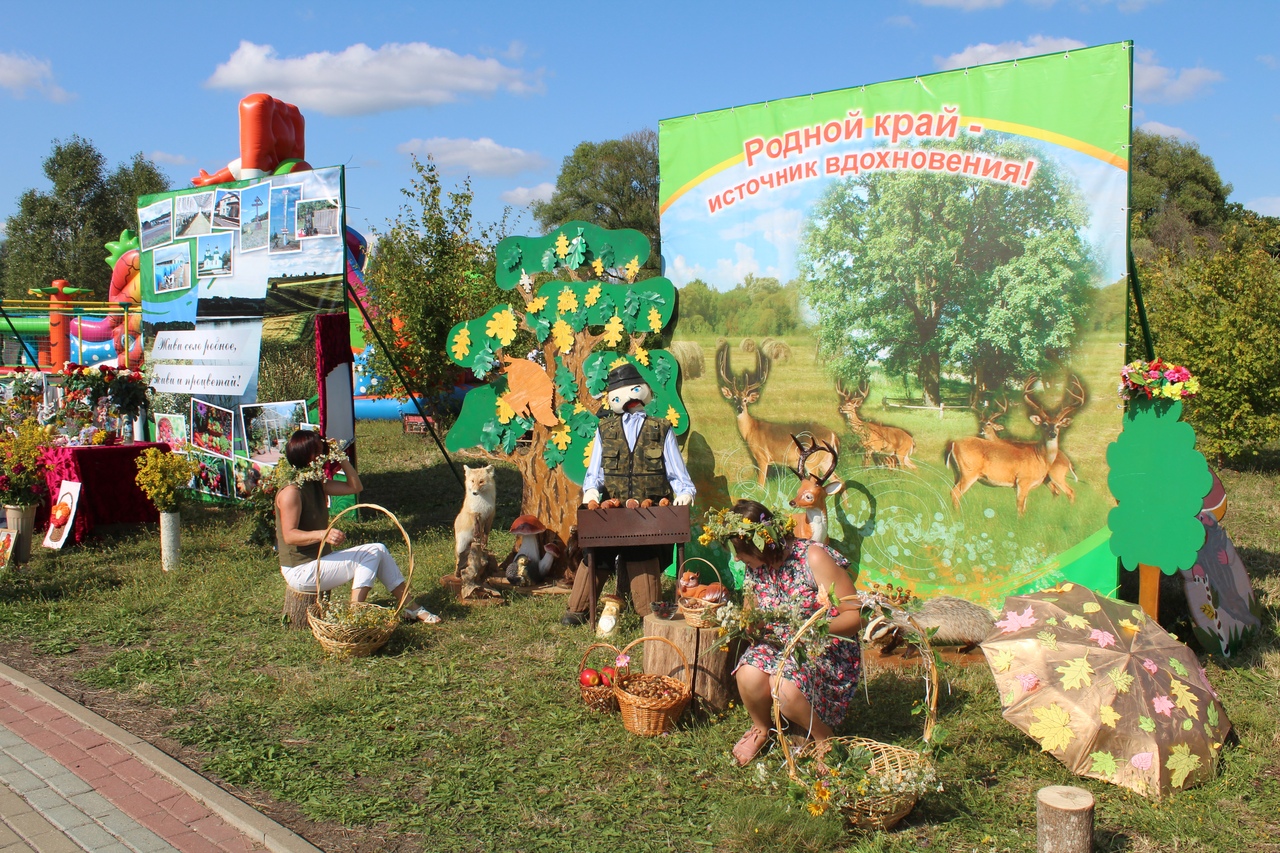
[[21, 470], [1156, 380], [163, 477], [127, 391]]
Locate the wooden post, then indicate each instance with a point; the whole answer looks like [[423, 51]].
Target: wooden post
[[295, 608], [1064, 820], [1149, 590], [712, 669]]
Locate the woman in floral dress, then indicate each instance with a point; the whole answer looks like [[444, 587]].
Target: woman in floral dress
[[795, 574]]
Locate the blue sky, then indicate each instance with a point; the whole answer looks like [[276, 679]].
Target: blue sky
[[503, 91]]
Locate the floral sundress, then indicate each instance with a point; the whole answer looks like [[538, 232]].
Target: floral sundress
[[829, 681]]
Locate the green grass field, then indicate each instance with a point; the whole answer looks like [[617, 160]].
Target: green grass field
[[901, 523], [470, 736]]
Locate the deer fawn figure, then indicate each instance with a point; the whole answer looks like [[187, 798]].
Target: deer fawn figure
[[769, 443], [811, 497], [1022, 465], [895, 444]]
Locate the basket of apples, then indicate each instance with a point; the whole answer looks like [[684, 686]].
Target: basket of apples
[[596, 685]]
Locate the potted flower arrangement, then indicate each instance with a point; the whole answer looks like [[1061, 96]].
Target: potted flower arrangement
[[127, 391], [163, 477], [22, 484], [82, 388], [1156, 380]]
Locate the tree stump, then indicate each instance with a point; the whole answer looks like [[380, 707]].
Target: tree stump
[[1064, 820], [712, 669], [295, 608]]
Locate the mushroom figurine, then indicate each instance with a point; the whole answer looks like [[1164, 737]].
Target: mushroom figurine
[[528, 563]]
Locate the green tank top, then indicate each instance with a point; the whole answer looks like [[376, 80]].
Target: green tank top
[[315, 516]]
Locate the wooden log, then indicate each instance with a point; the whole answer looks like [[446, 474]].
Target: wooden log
[[712, 669], [1064, 820], [295, 608]]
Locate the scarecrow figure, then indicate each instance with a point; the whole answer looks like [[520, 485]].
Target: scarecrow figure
[[634, 459], [530, 559]]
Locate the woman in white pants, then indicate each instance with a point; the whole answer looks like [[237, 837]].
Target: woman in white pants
[[302, 515]]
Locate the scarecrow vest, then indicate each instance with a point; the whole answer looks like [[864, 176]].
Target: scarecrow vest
[[640, 473]]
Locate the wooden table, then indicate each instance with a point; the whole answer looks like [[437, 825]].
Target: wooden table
[[712, 669], [621, 527]]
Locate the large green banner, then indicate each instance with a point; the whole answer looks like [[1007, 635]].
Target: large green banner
[[929, 276]]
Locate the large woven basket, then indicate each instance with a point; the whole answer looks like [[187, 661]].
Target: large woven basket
[[600, 697], [649, 715], [353, 642], [872, 811], [697, 612]]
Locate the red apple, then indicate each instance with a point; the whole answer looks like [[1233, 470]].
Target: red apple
[[588, 678], [608, 674]]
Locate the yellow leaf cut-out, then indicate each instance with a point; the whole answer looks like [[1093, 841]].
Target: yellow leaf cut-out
[[1076, 673], [593, 294], [560, 435], [1091, 607], [613, 331], [567, 301], [1184, 699], [505, 412], [632, 268], [617, 362], [598, 266], [502, 326], [1078, 622], [537, 305], [1120, 679], [1002, 660], [562, 334], [1182, 762], [461, 343], [1052, 727], [578, 408], [1127, 625], [673, 417], [655, 319], [1108, 716], [642, 356], [586, 454], [562, 245]]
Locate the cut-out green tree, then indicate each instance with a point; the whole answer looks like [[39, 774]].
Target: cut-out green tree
[[1159, 481], [574, 292]]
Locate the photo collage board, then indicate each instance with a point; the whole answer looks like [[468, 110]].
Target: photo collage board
[[232, 276]]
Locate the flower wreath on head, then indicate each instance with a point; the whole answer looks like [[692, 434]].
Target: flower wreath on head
[[316, 472], [725, 524]]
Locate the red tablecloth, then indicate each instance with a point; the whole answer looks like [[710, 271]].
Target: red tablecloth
[[109, 492]]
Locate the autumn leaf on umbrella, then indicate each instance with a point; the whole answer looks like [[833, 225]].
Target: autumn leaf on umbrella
[[1150, 666], [1147, 724], [1108, 716], [1141, 761], [1051, 728], [562, 334], [1016, 621], [1102, 638], [1181, 762], [567, 301], [1184, 699], [1076, 621], [1002, 660], [1104, 763], [1091, 607], [1178, 667], [593, 293], [502, 327], [1048, 639], [1212, 714], [1076, 673], [613, 331], [1162, 705], [461, 343]]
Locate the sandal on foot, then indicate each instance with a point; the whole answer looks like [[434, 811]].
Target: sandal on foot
[[419, 614], [749, 746]]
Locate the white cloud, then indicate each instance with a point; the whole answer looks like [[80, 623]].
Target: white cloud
[[1269, 60], [1267, 206], [780, 228], [170, 159], [361, 80], [726, 275], [980, 54], [1158, 84], [478, 156], [901, 21], [19, 73], [1166, 130], [525, 196]]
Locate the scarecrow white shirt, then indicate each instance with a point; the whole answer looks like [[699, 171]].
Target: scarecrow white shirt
[[677, 473]]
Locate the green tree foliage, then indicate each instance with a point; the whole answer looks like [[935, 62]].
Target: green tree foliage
[[922, 270], [431, 268], [1177, 195], [612, 184], [758, 307], [60, 233], [1218, 312]]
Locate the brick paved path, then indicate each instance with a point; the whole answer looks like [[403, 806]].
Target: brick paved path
[[72, 781]]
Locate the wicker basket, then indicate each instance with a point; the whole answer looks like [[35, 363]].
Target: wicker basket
[[875, 811], [351, 642], [642, 715], [600, 697], [697, 612]]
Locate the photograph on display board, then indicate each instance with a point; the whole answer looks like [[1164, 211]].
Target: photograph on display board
[[213, 254], [226, 209], [318, 218], [171, 267], [967, 385], [255, 221], [156, 224], [266, 428], [213, 475], [6, 548], [248, 474], [172, 430], [193, 214], [63, 514], [284, 219], [211, 428]]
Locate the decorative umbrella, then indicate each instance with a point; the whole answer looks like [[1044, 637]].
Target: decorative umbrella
[[1106, 690]]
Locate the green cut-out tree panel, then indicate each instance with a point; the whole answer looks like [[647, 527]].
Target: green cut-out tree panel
[[1159, 481], [574, 292]]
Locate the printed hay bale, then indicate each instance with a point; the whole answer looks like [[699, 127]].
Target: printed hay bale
[[778, 351], [689, 356], [747, 345]]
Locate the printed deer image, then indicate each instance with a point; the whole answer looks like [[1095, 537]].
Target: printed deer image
[[769, 443], [989, 426], [895, 444], [811, 497], [1022, 465]]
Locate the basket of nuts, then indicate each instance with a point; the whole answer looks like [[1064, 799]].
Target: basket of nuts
[[651, 704]]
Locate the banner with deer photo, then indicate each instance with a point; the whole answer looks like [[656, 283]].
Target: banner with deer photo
[[925, 283]]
